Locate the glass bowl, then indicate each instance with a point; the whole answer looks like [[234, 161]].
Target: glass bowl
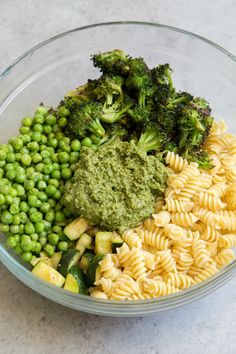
[[50, 69]]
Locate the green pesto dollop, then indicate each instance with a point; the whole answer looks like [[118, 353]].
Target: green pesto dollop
[[116, 185]]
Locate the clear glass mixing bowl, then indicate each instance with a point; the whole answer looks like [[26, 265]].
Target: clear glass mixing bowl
[[50, 69]]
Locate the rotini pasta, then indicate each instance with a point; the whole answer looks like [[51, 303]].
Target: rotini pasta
[[190, 236]]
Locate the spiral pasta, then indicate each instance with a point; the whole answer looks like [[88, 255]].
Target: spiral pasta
[[175, 161], [190, 236]]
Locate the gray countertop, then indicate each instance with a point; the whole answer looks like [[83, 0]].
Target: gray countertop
[[30, 323]]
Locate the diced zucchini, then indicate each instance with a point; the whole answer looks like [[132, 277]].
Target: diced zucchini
[[78, 274], [44, 258], [75, 229], [71, 284], [68, 259], [49, 274], [56, 257], [86, 260], [116, 242], [103, 242], [94, 270], [84, 242]]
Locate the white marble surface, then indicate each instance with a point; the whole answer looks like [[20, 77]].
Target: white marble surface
[[30, 324]]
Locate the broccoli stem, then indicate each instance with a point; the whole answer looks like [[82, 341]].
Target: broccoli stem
[[96, 128]]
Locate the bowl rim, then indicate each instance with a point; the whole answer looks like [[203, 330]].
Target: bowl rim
[[114, 307]]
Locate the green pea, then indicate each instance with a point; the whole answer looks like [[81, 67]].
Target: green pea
[[87, 142], [37, 248], [11, 175], [63, 157], [62, 122], [39, 167], [57, 229], [5, 189], [39, 227], [23, 217], [66, 148], [42, 240], [74, 157], [26, 138], [43, 139], [51, 202], [14, 229], [47, 129], [33, 146], [4, 227], [41, 110], [41, 185], [73, 167], [6, 217], [29, 228], [53, 182], [21, 229], [26, 256], [27, 121], [47, 161], [57, 195], [8, 199], [36, 136], [63, 112], [49, 216], [10, 157], [36, 217], [54, 158], [50, 190], [20, 190], [14, 209], [62, 246], [11, 241], [49, 249], [53, 239], [47, 169], [29, 184], [26, 160], [56, 128], [53, 142], [36, 158], [66, 173], [18, 249], [20, 178], [95, 139], [46, 178], [16, 219], [24, 130], [38, 128], [50, 119], [42, 196], [56, 174], [2, 199], [59, 216], [33, 201], [45, 207]]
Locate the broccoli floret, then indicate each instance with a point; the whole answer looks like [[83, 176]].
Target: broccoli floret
[[86, 118], [113, 62], [109, 89], [116, 111], [199, 156], [139, 115], [82, 94], [151, 139], [194, 124], [140, 81]]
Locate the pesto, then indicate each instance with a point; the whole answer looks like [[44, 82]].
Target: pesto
[[116, 185]]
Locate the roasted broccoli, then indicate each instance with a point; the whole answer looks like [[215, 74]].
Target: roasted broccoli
[[151, 139], [113, 62], [86, 118]]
